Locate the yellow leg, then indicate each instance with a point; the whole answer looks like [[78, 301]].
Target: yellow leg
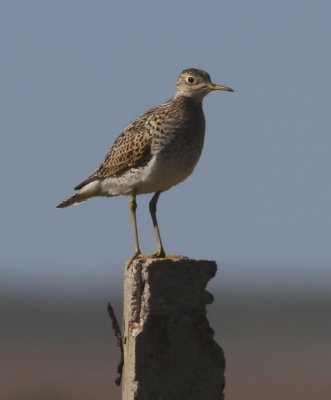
[[133, 208], [152, 209]]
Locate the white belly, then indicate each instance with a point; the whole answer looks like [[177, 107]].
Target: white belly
[[159, 174]]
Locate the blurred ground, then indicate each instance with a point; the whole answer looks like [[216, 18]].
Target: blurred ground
[[275, 348]]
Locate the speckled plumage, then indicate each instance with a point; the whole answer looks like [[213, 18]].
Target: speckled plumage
[[156, 151]]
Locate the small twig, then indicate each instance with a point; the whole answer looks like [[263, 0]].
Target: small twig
[[118, 335]]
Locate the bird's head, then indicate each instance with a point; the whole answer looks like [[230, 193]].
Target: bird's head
[[196, 83]]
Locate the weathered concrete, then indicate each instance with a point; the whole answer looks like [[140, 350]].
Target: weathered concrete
[[169, 350]]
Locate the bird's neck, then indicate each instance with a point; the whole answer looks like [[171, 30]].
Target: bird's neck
[[192, 101]]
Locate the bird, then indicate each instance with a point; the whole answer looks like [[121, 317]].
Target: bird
[[155, 152]]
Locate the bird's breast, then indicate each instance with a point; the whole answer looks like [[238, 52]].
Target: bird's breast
[[174, 156]]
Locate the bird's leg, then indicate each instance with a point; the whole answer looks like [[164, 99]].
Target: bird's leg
[[133, 208], [152, 209]]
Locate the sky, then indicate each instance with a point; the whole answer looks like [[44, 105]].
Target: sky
[[75, 73]]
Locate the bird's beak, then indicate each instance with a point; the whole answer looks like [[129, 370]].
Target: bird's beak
[[213, 86]]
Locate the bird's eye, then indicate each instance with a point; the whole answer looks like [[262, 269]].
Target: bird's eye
[[190, 79]]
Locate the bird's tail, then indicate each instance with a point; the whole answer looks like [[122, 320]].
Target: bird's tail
[[84, 191], [75, 199]]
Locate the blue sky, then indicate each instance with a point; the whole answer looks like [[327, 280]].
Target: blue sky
[[75, 73]]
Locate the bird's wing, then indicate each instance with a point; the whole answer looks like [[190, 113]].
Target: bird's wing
[[131, 149]]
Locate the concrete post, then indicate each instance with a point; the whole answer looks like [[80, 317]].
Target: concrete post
[[169, 350]]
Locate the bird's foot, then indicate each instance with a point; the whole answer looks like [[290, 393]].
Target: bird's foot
[[138, 256], [158, 254], [176, 257]]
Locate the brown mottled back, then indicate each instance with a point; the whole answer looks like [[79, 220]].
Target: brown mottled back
[[131, 149]]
